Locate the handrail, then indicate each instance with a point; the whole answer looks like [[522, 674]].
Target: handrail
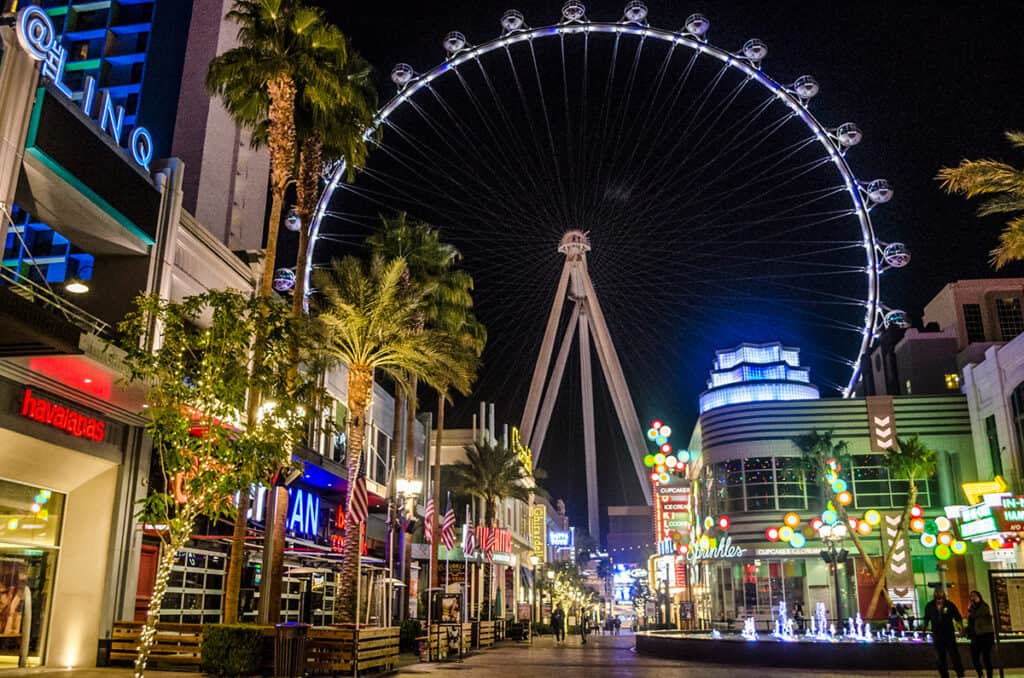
[[33, 291]]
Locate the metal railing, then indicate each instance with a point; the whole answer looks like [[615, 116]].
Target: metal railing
[[44, 296]]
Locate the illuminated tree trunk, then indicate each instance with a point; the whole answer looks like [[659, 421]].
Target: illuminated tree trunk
[[181, 530], [360, 394], [409, 445], [236, 561], [900, 533]]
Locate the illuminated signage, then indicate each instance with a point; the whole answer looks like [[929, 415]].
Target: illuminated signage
[[976, 491], [539, 532], [38, 37], [722, 551], [522, 451], [560, 538], [303, 510], [64, 418], [978, 522]]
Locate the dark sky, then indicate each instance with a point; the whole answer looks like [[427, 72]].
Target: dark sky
[[929, 83]]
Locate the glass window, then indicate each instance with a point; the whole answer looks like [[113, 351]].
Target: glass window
[[874, 488], [755, 484], [29, 515], [993, 445], [973, 322], [1011, 323]]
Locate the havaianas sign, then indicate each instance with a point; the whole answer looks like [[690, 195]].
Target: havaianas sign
[[38, 37]]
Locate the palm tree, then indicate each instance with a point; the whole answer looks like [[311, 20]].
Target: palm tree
[[366, 317], [911, 460], [282, 46], [1002, 181]]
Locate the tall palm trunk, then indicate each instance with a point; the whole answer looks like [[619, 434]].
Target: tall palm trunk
[[360, 392], [900, 533], [437, 486], [410, 467], [307, 194]]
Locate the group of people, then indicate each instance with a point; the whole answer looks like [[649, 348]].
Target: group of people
[[944, 619], [612, 625]]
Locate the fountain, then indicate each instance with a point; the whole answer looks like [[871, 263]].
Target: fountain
[[749, 629]]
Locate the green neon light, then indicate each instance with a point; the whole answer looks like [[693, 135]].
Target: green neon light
[[75, 182], [86, 65]]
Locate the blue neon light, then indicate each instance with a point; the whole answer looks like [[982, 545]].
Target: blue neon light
[[757, 373]]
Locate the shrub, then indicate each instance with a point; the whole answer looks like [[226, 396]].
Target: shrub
[[232, 650], [410, 629]]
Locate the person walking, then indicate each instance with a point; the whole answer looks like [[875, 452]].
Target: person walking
[[558, 623], [943, 618], [982, 634], [617, 623]]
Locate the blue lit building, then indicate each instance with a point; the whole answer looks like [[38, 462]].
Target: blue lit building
[[757, 372]]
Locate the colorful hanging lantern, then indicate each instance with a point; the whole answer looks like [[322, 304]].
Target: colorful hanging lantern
[[816, 523], [916, 511], [838, 485], [844, 498], [943, 523], [709, 522], [723, 523], [959, 547], [945, 538], [797, 541], [943, 552], [684, 456], [929, 541], [785, 533], [652, 433], [872, 517], [917, 525], [659, 458], [930, 527], [829, 517], [791, 519], [665, 431], [648, 460], [772, 534], [864, 527]]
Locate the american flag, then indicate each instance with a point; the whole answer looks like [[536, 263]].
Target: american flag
[[358, 500], [469, 548], [448, 526], [428, 521], [489, 538]]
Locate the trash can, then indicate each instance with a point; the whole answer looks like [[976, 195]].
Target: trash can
[[290, 650]]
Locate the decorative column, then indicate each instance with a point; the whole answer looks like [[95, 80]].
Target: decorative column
[[19, 77]]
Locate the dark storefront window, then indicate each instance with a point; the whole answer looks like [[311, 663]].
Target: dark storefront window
[[1010, 321], [974, 323], [756, 484], [874, 488], [195, 588], [992, 434]]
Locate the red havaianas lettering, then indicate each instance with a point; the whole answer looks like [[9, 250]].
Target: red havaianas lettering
[[63, 418]]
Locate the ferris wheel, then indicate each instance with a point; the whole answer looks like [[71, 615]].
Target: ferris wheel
[[717, 203]]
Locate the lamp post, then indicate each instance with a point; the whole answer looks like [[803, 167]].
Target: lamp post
[[406, 491], [534, 561], [551, 591], [833, 536]]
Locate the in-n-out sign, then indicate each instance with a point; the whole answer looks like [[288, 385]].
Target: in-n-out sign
[[38, 37], [303, 510]]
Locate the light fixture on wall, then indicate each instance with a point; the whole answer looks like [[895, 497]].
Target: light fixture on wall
[[77, 284]]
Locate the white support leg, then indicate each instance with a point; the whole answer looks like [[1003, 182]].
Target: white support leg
[[589, 438], [621, 398], [551, 395], [540, 370]]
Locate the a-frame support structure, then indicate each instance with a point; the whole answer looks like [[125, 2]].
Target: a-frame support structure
[[587, 321]]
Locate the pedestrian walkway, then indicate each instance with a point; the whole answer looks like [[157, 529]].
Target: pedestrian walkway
[[610, 656]]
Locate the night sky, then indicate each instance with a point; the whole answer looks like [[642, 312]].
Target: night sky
[[927, 86]]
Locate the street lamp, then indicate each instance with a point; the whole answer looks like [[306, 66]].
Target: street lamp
[[406, 491], [833, 536], [551, 590]]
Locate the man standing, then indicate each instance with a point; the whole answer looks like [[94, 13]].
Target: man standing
[[558, 623], [943, 618]]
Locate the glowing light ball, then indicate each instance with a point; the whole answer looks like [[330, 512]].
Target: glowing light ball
[[838, 485], [671, 462], [723, 522], [661, 440], [656, 424], [943, 552], [666, 449], [709, 522], [654, 477], [704, 542], [945, 538], [648, 460], [917, 525], [797, 541], [929, 540], [713, 542], [864, 527], [829, 517], [663, 478], [844, 498], [791, 519], [872, 517], [772, 534], [943, 524], [816, 523], [916, 511], [652, 433], [995, 544], [12, 524], [785, 533], [665, 431], [659, 458], [959, 547], [684, 456], [930, 527], [660, 468], [853, 523], [684, 549], [284, 280], [831, 462], [831, 477]]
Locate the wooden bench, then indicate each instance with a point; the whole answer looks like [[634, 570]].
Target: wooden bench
[[178, 644], [487, 633]]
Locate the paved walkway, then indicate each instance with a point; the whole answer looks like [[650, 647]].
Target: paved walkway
[[607, 656]]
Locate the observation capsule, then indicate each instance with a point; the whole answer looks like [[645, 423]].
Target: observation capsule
[[402, 74], [697, 24], [879, 191], [293, 223], [806, 87], [284, 280], [849, 134], [896, 318], [755, 50], [896, 255], [635, 12], [512, 20], [454, 42], [574, 11]]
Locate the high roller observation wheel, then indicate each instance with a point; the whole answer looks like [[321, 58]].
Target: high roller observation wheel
[[879, 256]]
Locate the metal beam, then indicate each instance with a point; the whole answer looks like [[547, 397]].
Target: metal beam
[[540, 370], [551, 396], [589, 438]]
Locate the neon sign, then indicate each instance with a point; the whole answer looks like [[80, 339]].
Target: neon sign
[[303, 510], [64, 418], [38, 37], [723, 550], [560, 538]]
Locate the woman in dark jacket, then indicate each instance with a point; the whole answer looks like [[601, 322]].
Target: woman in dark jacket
[[981, 632]]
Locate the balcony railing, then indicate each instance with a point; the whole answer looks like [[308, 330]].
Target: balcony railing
[[46, 297]]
